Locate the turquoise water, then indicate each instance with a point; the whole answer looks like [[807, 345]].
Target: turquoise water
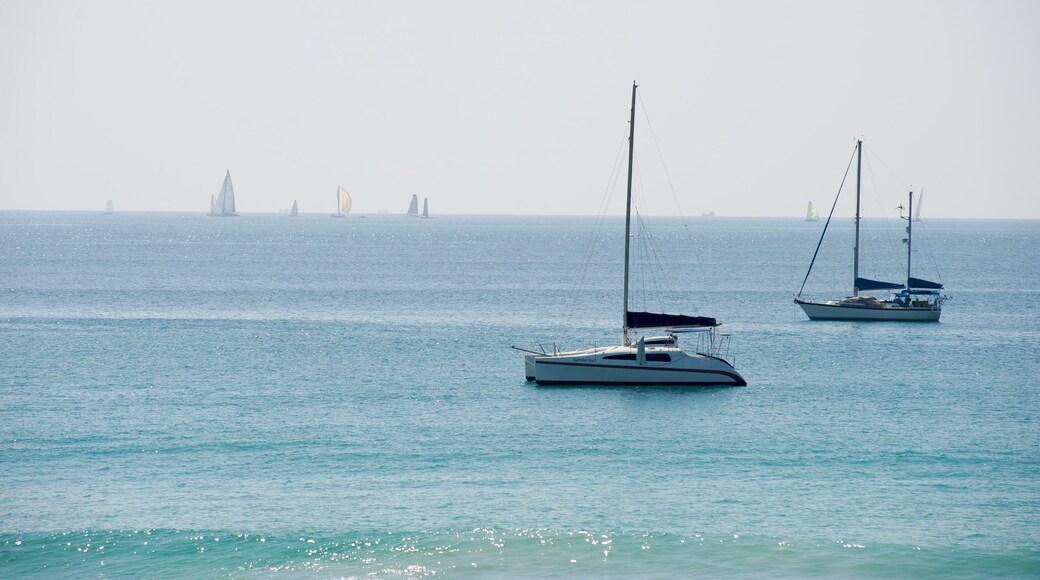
[[263, 396]]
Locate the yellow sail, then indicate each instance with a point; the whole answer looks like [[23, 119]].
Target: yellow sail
[[344, 200]]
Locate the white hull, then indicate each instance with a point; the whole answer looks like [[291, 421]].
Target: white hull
[[618, 365], [847, 311]]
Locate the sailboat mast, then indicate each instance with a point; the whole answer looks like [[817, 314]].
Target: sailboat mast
[[628, 207], [855, 251], [909, 236]]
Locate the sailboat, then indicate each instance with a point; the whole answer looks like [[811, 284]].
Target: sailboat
[[413, 207], [223, 204], [108, 206], [343, 202], [916, 301], [917, 212], [426, 207], [811, 214], [647, 361], [294, 211]]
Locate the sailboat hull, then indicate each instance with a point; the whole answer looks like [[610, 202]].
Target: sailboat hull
[[838, 310], [619, 366]]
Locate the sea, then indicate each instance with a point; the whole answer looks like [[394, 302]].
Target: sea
[[185, 396]]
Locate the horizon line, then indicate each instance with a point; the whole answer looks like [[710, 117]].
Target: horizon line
[[385, 213]]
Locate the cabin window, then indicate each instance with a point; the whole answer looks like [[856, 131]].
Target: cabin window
[[650, 357]]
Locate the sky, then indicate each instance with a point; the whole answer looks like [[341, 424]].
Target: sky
[[506, 107]]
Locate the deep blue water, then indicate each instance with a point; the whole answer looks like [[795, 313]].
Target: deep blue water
[[190, 396]]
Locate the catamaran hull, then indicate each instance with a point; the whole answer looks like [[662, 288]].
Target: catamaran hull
[[819, 311], [696, 370]]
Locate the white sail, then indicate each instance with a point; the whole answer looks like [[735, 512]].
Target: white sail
[[224, 203], [295, 210], [917, 208], [413, 207], [108, 206], [227, 193], [425, 207]]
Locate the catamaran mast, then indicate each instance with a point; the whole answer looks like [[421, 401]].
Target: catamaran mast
[[628, 208], [909, 236], [855, 251]]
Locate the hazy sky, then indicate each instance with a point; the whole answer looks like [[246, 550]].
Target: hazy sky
[[516, 107]]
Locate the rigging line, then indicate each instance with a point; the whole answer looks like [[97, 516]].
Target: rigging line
[[647, 277], [884, 212], [653, 263], [642, 232], [608, 194], [668, 177], [931, 253], [659, 271], [885, 165], [651, 269], [828, 222], [660, 156], [641, 250]]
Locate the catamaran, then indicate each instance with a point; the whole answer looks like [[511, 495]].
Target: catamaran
[[413, 207], [649, 360], [811, 213], [223, 205], [343, 203], [918, 300]]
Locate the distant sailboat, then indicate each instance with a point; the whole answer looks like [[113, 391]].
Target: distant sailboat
[[413, 207], [426, 207], [108, 206], [295, 210], [224, 204], [917, 300], [811, 214], [343, 202], [917, 210]]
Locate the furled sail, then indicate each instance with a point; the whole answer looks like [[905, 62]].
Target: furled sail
[[413, 207], [924, 284], [344, 200], [654, 320], [867, 284]]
